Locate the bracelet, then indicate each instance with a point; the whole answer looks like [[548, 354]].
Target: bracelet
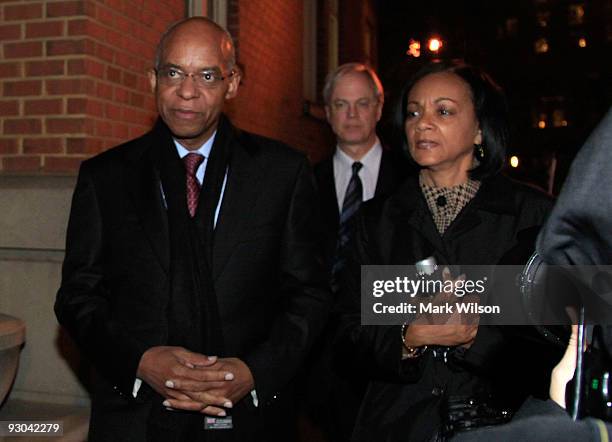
[[411, 352]]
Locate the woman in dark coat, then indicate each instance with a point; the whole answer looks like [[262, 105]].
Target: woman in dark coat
[[461, 211]]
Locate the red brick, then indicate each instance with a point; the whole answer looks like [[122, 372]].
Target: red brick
[[25, 87], [9, 107], [46, 29], [116, 39], [21, 164], [123, 24], [65, 125], [112, 111], [120, 131], [77, 105], [87, 106], [122, 95], [69, 86], [85, 66], [94, 68], [137, 131], [95, 108], [134, 116], [23, 50], [23, 12], [130, 80], [104, 90], [10, 32], [44, 68], [43, 145], [8, 146], [137, 100], [62, 164], [106, 53], [22, 126], [88, 145], [89, 28], [65, 47], [113, 74], [77, 27], [10, 70], [43, 107], [76, 67], [104, 128], [126, 60], [68, 8], [105, 15]]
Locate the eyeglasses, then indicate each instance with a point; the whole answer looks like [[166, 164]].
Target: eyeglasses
[[210, 78]]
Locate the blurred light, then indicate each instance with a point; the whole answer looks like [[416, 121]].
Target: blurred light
[[542, 124], [514, 161], [414, 48], [541, 46], [582, 42], [434, 44], [564, 123]]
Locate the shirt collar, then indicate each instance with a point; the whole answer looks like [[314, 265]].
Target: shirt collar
[[370, 160], [203, 150]]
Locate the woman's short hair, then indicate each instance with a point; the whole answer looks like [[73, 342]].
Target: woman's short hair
[[489, 105]]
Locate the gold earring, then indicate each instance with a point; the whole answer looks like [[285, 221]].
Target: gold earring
[[479, 151]]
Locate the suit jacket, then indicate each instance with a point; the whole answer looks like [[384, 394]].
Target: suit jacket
[[394, 168], [271, 290], [405, 398], [333, 398]]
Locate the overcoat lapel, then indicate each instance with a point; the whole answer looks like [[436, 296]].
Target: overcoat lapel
[[414, 226], [327, 190], [388, 175], [242, 189], [144, 186]]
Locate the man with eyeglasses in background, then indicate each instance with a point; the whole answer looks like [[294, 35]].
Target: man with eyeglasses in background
[[192, 279], [358, 170]]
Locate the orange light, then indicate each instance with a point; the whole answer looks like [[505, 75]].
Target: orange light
[[414, 48], [542, 124], [434, 44], [541, 46], [582, 42]]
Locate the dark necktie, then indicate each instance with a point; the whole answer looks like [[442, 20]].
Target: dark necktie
[[352, 202], [192, 162]]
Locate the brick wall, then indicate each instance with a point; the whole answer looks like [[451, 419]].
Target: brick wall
[[270, 98], [73, 78]]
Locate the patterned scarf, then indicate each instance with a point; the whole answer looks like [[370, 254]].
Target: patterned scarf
[[445, 203]]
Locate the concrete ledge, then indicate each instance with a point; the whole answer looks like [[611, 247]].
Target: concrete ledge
[[34, 211]]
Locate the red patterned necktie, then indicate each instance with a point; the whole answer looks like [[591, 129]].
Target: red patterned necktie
[[192, 162]]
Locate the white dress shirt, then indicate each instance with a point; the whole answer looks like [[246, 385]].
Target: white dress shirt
[[343, 170]]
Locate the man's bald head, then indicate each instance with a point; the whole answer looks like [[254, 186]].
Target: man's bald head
[[201, 27]]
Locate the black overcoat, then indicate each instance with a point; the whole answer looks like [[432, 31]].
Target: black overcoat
[[267, 272], [405, 398]]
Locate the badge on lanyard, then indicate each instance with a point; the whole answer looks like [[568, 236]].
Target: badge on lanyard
[[218, 423]]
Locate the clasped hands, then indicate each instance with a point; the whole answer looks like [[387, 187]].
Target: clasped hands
[[195, 382], [450, 329]]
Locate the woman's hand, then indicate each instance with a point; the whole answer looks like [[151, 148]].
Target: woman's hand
[[448, 329]]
